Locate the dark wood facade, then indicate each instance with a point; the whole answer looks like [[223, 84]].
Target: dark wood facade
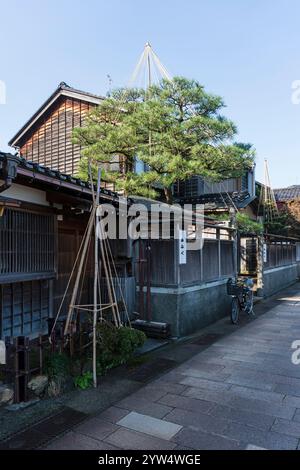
[[50, 144], [37, 255], [39, 243], [69, 236], [46, 138]]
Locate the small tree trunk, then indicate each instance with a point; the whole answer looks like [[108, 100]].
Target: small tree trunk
[[168, 195]]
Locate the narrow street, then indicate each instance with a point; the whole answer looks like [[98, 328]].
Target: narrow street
[[241, 392]]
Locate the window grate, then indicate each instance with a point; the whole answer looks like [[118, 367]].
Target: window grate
[[27, 243]]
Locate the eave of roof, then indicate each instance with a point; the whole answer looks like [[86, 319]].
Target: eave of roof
[[216, 201], [39, 174], [62, 90]]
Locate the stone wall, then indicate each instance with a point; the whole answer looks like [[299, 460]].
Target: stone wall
[[189, 309], [275, 279]]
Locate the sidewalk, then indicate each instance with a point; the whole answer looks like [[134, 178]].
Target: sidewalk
[[237, 389]]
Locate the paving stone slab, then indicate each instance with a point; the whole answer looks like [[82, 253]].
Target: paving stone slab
[[182, 352], [142, 405], [186, 403], [284, 426], [60, 422], [291, 400], [24, 441], [96, 428], [258, 420], [214, 396], [45, 430], [268, 439], [152, 369], [171, 377], [201, 441], [164, 388], [288, 389], [252, 447], [128, 439], [267, 378], [257, 394], [236, 379], [162, 429], [150, 393], [260, 406], [205, 373], [296, 416], [205, 384], [208, 338], [113, 414], [201, 365], [75, 441], [197, 421]]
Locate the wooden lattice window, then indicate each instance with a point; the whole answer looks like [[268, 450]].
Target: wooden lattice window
[[27, 245], [24, 308]]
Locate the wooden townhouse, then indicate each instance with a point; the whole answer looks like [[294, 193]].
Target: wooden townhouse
[[43, 215]]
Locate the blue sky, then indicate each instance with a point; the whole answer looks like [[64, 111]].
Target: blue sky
[[247, 51]]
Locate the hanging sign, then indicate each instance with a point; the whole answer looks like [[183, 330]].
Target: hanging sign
[[182, 246], [265, 253]]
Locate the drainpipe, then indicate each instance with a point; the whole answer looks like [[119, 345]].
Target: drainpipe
[[8, 169]]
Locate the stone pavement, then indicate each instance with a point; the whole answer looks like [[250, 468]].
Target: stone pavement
[[241, 392]]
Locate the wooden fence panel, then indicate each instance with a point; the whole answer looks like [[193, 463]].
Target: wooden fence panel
[[280, 253], [210, 253], [227, 258]]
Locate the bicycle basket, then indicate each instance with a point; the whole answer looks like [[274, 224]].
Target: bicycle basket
[[233, 288]]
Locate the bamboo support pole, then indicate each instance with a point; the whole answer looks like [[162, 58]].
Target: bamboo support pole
[[78, 275], [96, 274]]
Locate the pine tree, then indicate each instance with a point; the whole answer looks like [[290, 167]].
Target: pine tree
[[175, 128]]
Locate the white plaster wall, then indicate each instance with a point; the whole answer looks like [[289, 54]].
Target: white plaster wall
[[25, 193]]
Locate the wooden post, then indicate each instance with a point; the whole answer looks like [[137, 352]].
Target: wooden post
[[233, 224], [96, 274], [41, 353], [218, 235], [148, 257]]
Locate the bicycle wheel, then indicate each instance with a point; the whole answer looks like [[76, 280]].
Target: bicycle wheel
[[248, 302], [235, 310]]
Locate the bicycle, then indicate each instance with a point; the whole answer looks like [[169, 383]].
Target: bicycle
[[242, 297]]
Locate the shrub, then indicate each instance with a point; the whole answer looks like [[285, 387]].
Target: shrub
[[248, 226], [116, 345], [84, 381], [57, 365]]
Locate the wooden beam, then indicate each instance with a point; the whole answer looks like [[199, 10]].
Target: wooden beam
[[67, 200]]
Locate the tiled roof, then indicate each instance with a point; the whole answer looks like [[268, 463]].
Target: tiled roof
[[287, 194], [64, 86], [213, 201], [30, 169]]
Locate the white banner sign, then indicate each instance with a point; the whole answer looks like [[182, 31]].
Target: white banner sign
[[265, 253], [182, 247]]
